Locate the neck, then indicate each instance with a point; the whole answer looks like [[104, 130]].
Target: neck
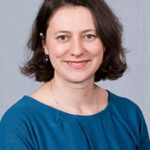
[[76, 96]]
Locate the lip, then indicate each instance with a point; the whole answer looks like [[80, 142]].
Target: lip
[[77, 64], [77, 61]]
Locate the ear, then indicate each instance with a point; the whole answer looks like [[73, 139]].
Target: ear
[[104, 48], [45, 49], [44, 43]]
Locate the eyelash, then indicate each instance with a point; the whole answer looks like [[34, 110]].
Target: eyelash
[[61, 37], [90, 35], [66, 37]]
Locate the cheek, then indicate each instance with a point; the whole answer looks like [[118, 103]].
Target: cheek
[[95, 49], [57, 50]]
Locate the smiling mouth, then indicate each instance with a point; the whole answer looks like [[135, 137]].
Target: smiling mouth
[[77, 64]]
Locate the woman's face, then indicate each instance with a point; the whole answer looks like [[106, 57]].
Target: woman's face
[[75, 50]]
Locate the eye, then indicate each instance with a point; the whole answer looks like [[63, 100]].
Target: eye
[[89, 37], [63, 38]]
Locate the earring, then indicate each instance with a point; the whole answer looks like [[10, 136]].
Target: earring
[[46, 59], [41, 35]]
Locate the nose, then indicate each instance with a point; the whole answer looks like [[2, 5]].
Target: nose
[[76, 48]]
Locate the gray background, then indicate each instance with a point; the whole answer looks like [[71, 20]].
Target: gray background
[[16, 17]]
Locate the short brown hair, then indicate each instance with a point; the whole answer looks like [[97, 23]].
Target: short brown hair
[[108, 28]]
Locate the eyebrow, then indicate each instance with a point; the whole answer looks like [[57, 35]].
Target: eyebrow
[[65, 31]]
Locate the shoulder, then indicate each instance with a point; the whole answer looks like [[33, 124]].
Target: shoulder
[[27, 111], [16, 112], [130, 116], [127, 112], [19, 123], [24, 110], [123, 103], [15, 124]]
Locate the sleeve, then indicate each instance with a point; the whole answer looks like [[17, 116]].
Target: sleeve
[[143, 131], [14, 134]]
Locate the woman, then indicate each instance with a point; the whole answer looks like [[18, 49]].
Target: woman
[[74, 44]]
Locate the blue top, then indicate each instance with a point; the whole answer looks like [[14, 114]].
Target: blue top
[[32, 125]]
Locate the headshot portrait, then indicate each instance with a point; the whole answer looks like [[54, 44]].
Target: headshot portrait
[[74, 75]]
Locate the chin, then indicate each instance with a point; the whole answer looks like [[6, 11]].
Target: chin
[[78, 78]]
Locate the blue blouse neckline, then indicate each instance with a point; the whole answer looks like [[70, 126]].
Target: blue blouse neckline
[[67, 114]]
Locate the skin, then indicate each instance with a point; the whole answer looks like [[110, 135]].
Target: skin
[[70, 40]]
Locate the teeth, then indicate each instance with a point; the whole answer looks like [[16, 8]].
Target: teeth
[[77, 63]]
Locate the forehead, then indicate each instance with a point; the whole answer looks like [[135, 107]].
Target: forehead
[[72, 17]]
